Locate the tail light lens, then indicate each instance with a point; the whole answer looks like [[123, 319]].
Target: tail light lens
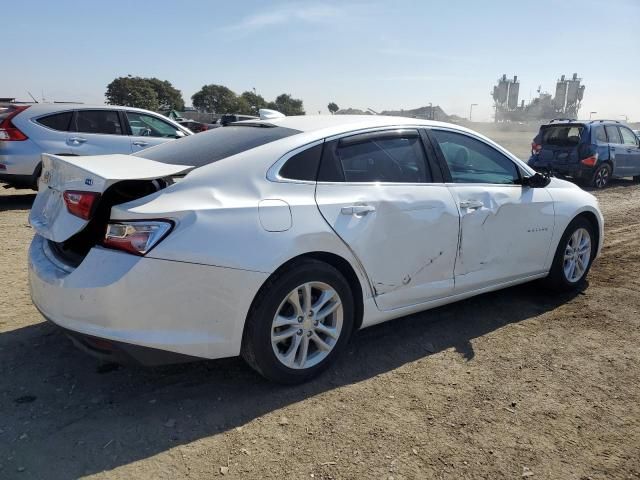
[[535, 148], [8, 131], [81, 204], [136, 237], [590, 161]]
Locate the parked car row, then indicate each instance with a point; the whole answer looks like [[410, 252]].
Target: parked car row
[[29, 130], [591, 152]]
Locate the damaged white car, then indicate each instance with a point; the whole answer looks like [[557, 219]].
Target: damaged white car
[[276, 239]]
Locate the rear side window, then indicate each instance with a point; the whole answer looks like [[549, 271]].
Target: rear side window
[[613, 134], [303, 165], [57, 121], [213, 145], [628, 138], [98, 121], [599, 134], [562, 135], [472, 161], [393, 157]]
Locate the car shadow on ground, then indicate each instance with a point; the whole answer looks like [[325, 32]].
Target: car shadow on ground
[[16, 202], [62, 414]]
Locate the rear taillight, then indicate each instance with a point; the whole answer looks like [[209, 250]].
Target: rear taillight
[[8, 131], [590, 161], [136, 237], [535, 148], [81, 204]]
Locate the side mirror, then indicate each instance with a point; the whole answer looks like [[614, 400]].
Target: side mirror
[[537, 180], [179, 134]]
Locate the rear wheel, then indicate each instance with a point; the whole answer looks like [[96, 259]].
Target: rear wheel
[[636, 179], [602, 176], [573, 257], [300, 322]]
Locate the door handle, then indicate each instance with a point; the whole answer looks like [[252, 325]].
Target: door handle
[[471, 204], [140, 143], [77, 140], [357, 210]]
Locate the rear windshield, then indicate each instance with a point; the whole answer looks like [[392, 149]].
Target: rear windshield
[[562, 135], [213, 145]]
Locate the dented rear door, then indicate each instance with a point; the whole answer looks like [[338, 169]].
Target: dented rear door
[[378, 194]]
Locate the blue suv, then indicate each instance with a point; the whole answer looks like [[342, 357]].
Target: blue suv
[[591, 152]]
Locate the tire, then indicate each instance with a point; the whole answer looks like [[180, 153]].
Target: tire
[[35, 177], [560, 278], [636, 179], [277, 352], [601, 176]]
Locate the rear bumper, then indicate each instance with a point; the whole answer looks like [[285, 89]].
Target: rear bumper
[[183, 308], [569, 170], [19, 158]]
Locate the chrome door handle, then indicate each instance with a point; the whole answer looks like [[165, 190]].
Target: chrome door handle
[[471, 204], [140, 144], [77, 140], [357, 210]]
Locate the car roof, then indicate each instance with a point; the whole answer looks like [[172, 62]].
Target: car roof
[[328, 125], [42, 108]]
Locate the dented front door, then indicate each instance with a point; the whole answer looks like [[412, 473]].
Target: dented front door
[[505, 233], [405, 236]]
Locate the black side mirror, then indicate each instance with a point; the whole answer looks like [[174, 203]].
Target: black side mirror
[[537, 180]]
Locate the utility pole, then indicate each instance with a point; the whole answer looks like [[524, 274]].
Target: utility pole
[[471, 110]]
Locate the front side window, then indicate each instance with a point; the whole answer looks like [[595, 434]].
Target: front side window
[[396, 157], [148, 126], [98, 121], [628, 138], [57, 121], [613, 134], [472, 161]]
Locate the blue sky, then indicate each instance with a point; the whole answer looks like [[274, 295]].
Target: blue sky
[[377, 54]]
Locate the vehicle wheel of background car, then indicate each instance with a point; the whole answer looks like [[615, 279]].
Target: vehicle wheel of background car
[[299, 322], [636, 179], [35, 177], [602, 176], [573, 256]]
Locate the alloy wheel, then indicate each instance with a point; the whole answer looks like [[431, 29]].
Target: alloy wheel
[[577, 255], [307, 325], [602, 177]]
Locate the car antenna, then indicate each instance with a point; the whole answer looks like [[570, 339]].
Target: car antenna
[[34, 98]]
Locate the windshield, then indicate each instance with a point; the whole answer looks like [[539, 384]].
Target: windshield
[[211, 146]]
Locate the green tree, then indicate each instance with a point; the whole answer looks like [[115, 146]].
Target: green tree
[[287, 105], [169, 97], [333, 108], [132, 92], [215, 99], [254, 101]]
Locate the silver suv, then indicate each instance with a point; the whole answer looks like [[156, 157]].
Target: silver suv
[[29, 130]]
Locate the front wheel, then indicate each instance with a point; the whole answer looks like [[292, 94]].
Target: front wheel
[[573, 257], [300, 321], [602, 176]]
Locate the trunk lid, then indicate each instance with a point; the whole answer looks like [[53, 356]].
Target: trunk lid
[[560, 143], [49, 214]]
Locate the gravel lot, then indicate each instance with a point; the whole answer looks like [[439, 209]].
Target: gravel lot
[[511, 384]]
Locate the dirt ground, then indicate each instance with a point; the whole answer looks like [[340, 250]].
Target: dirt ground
[[513, 384]]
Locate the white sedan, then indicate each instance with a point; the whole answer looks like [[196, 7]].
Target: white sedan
[[276, 239]]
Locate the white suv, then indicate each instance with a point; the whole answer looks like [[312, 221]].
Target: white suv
[[29, 130]]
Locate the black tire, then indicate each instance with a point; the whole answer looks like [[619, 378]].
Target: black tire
[[35, 177], [257, 349], [601, 176], [557, 279], [636, 179]]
